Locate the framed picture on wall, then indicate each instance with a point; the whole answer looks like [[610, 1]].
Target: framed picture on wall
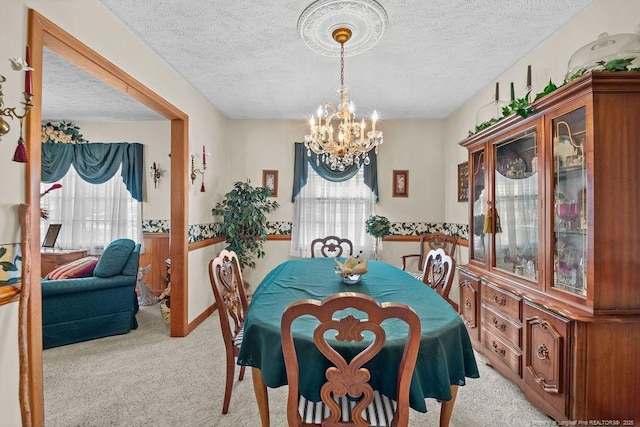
[[270, 180], [463, 182], [400, 183]]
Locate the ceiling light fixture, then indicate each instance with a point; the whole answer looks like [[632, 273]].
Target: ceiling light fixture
[[352, 142]]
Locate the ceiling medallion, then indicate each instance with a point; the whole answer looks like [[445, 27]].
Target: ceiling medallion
[[367, 19]]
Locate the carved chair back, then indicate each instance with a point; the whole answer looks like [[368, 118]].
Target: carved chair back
[[431, 241], [331, 247], [439, 269], [349, 380], [229, 293], [231, 302]]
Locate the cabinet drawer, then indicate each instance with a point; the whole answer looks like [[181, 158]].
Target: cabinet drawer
[[469, 303], [501, 326], [511, 357], [502, 301]]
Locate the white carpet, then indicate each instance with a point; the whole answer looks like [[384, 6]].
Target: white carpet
[[146, 378]]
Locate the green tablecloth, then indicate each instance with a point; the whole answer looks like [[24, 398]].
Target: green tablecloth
[[445, 357]]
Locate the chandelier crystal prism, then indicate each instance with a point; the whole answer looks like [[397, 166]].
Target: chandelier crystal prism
[[352, 142]]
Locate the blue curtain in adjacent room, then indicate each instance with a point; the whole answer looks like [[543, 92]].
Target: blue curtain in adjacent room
[[56, 159], [96, 163], [300, 168]]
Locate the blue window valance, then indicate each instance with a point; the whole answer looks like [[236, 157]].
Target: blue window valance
[[301, 162], [96, 163]]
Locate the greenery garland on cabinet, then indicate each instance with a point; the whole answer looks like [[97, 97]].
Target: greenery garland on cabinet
[[522, 106]]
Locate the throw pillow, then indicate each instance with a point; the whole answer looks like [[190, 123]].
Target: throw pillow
[[82, 267], [114, 257]]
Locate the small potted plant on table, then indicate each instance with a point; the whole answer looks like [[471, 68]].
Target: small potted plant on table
[[378, 226]]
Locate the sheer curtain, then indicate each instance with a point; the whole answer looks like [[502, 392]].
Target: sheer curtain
[[324, 208], [92, 215]]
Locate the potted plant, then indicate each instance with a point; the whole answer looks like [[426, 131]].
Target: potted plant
[[244, 221], [378, 226]]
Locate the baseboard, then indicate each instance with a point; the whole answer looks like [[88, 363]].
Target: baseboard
[[198, 320]]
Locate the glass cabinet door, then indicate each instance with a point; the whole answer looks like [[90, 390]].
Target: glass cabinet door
[[515, 202], [570, 199], [479, 199]]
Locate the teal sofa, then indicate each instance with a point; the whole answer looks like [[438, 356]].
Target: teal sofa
[[102, 305]]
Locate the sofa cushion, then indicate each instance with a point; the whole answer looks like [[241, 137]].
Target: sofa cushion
[[82, 267], [131, 267], [114, 258]]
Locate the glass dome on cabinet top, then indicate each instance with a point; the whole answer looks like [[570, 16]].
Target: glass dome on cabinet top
[[605, 49]]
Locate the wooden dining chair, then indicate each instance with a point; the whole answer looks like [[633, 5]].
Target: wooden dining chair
[[347, 397], [331, 247], [428, 242], [438, 273], [231, 302]]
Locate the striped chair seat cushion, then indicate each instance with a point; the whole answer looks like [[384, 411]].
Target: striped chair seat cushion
[[379, 412], [417, 274], [237, 340]]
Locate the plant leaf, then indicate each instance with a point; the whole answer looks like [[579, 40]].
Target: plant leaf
[[547, 90]]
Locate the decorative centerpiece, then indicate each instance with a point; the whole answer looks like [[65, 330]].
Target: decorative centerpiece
[[351, 270]]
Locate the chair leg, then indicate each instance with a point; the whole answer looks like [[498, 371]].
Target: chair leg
[[241, 376], [231, 366]]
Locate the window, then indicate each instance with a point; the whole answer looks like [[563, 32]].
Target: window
[[324, 208], [92, 215]]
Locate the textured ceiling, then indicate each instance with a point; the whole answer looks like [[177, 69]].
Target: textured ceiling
[[247, 59], [70, 93]]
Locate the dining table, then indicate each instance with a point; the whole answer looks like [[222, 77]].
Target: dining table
[[445, 357]]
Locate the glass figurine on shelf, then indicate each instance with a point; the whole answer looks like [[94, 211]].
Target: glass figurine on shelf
[[490, 113], [568, 211]]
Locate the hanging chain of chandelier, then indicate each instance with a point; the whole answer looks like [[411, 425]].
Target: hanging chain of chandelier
[[353, 142]]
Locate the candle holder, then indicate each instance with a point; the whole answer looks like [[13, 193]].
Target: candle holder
[[156, 173], [12, 113], [195, 171], [17, 64]]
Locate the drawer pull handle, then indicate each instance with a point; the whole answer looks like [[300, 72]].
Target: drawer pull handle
[[542, 352], [498, 325], [500, 300], [498, 350], [467, 303]]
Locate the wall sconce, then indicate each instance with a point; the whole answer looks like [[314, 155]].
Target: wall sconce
[[156, 173], [201, 171], [17, 64]]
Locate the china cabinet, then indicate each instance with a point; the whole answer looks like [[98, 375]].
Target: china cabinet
[[551, 292]]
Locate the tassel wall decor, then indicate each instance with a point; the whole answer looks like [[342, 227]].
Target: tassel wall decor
[[20, 155]]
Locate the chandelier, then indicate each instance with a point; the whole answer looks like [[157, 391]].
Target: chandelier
[[353, 141]]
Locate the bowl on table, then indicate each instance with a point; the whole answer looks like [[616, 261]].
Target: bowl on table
[[350, 279]]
